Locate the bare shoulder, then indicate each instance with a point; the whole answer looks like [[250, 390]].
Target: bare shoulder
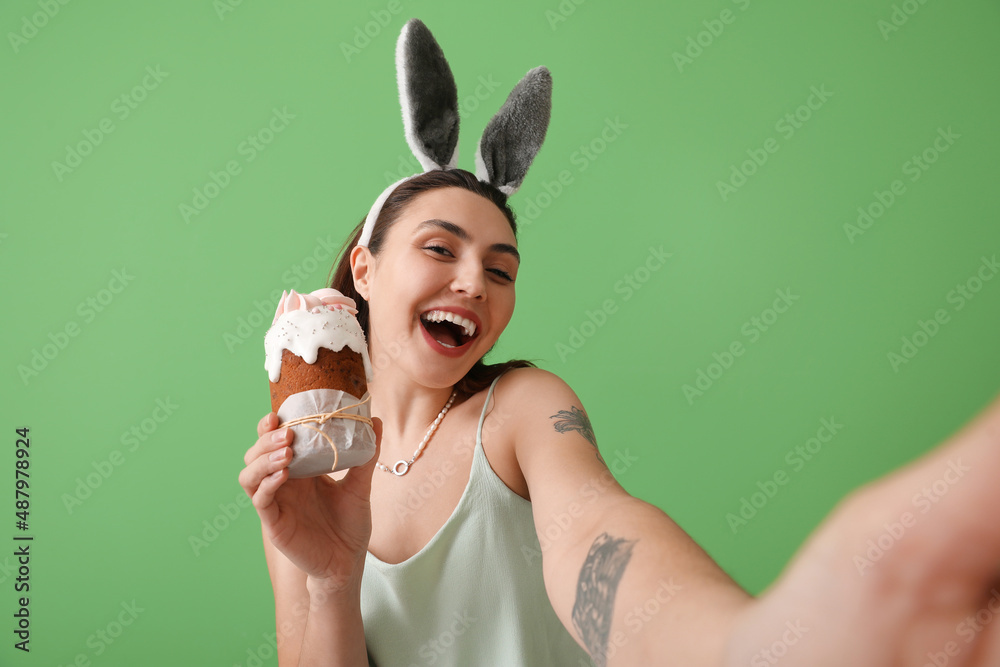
[[544, 403], [526, 385], [538, 393]]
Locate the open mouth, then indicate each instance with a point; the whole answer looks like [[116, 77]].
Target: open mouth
[[448, 329]]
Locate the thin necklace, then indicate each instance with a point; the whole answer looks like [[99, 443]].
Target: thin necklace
[[402, 466]]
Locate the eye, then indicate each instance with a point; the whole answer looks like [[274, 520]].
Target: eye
[[441, 250], [503, 274], [436, 248]]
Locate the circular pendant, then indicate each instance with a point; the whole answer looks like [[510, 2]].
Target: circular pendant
[[397, 471]]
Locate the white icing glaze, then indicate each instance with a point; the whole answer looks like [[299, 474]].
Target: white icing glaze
[[303, 332]]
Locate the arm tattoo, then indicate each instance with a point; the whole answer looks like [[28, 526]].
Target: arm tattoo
[[595, 592], [576, 419]]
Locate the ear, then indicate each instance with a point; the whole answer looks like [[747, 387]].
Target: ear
[[428, 96], [362, 264], [514, 135]]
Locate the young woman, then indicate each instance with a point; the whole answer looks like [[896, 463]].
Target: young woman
[[492, 531], [443, 564]]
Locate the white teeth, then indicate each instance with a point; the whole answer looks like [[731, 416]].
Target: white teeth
[[440, 315]]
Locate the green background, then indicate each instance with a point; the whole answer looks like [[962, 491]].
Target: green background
[[187, 327]]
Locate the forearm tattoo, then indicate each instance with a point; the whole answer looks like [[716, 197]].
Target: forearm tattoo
[[576, 419], [595, 592]]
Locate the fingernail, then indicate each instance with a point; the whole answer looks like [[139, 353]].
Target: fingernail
[[280, 436], [278, 455]]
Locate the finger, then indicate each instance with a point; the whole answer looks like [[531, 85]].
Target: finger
[[263, 498], [264, 465], [269, 442], [268, 423]]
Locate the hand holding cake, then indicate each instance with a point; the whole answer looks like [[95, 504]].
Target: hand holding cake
[[317, 362]]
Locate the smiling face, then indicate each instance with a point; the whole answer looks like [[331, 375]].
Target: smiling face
[[441, 290]]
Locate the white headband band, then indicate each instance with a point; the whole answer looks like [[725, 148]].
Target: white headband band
[[429, 101], [366, 232]]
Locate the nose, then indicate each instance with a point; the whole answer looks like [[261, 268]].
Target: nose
[[469, 281]]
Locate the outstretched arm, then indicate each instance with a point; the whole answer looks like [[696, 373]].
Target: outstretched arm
[[905, 571], [627, 582]]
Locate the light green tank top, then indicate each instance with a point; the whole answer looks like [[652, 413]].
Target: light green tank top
[[474, 595]]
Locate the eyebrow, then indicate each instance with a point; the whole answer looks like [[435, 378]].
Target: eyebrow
[[460, 232]]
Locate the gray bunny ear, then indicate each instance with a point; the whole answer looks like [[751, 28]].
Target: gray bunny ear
[[428, 96], [514, 135]]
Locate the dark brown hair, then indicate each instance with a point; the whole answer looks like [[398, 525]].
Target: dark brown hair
[[481, 374]]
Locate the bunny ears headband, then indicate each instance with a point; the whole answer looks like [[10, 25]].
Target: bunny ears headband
[[429, 99]]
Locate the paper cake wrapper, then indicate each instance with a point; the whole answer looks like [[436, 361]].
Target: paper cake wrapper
[[312, 454]]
